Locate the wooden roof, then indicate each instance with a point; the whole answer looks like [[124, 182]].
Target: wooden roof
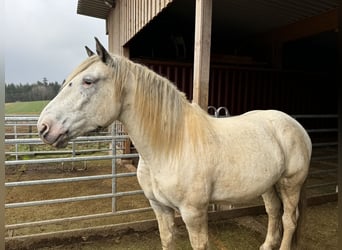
[[95, 8], [243, 15]]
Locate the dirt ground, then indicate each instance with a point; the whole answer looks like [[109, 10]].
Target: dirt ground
[[241, 233]]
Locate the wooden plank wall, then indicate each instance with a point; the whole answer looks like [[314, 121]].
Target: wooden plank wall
[[129, 17], [241, 89], [295, 92]]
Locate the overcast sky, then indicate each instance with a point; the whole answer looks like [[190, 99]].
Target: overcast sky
[[46, 38]]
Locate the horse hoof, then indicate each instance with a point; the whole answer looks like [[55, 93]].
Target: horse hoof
[[265, 247]]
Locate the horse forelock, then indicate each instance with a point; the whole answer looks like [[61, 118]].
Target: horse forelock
[[83, 66], [116, 76]]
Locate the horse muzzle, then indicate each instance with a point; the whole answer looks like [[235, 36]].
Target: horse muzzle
[[52, 133]]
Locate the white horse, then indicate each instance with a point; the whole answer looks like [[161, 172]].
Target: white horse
[[187, 158]]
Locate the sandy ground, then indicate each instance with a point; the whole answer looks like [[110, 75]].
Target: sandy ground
[[242, 233]]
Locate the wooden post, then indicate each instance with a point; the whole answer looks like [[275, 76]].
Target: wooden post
[[115, 31], [2, 133], [202, 52], [339, 78]]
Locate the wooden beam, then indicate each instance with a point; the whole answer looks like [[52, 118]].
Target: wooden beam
[[113, 29], [2, 133], [339, 78], [327, 21], [202, 52], [116, 28]]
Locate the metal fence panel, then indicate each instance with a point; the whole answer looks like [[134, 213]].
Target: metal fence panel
[[25, 149]]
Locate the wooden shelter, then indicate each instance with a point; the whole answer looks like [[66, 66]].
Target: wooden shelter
[[240, 54]]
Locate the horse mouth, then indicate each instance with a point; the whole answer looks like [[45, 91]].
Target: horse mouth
[[61, 141]]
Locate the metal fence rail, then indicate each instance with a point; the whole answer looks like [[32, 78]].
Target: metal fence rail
[[111, 149], [329, 161]]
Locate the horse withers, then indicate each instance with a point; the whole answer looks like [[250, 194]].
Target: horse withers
[[188, 159]]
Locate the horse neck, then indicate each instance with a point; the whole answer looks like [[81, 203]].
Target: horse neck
[[154, 114]]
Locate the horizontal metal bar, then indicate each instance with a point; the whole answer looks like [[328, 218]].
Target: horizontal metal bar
[[317, 158], [71, 199], [79, 151], [78, 139], [24, 141], [21, 125], [55, 201], [100, 138], [322, 185], [306, 116], [324, 144], [325, 171], [76, 218], [323, 130], [127, 193], [71, 159], [332, 164], [66, 180], [21, 118], [22, 134]]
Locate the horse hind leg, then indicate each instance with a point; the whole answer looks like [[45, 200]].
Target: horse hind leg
[[274, 209], [291, 195]]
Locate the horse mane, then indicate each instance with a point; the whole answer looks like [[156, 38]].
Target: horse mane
[[165, 115]]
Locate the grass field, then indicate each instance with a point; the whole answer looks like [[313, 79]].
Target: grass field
[[24, 108]]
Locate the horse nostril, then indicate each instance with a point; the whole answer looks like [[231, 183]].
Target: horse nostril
[[43, 129]]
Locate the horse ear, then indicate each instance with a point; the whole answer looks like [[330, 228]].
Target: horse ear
[[103, 53], [89, 51]]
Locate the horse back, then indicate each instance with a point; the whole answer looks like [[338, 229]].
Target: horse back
[[290, 135]]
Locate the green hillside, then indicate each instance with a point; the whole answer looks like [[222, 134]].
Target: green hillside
[[25, 108]]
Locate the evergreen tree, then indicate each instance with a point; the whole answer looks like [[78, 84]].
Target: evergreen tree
[[44, 90]]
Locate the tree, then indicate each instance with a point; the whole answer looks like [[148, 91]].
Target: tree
[[44, 90]]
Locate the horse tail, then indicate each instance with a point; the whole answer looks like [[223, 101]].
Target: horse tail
[[301, 213]]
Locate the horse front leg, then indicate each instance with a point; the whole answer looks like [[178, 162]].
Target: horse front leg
[[165, 217], [196, 221]]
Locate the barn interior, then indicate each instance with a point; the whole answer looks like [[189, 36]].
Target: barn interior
[[279, 54]]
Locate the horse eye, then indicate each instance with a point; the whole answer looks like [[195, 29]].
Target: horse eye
[[88, 80]]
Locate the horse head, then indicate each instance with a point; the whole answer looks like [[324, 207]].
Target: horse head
[[87, 101]]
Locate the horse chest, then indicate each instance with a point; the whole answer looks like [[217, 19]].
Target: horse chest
[[160, 185]]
